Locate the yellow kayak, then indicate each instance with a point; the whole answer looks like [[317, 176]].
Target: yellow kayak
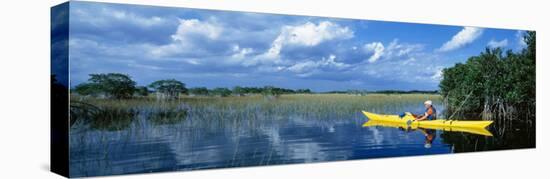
[[473, 130], [477, 127]]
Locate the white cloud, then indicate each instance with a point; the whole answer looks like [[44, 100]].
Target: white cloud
[[239, 54], [193, 27], [409, 61], [396, 49], [303, 66], [438, 75], [498, 44], [184, 38], [393, 51], [307, 67], [330, 61], [165, 50], [133, 18], [462, 38], [233, 45], [376, 49], [308, 34]]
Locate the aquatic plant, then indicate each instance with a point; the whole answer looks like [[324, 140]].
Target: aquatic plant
[[243, 108], [160, 114]]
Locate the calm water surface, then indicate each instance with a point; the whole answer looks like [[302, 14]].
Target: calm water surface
[[192, 144]]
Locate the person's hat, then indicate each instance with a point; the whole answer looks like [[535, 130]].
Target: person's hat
[[429, 102]]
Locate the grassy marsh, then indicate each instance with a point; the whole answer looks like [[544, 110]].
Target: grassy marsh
[[309, 106]]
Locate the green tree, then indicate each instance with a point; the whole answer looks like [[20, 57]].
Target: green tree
[[252, 90], [88, 89], [303, 91], [113, 85], [222, 92], [169, 89], [199, 91], [530, 39], [271, 92], [239, 91], [493, 84], [141, 91]]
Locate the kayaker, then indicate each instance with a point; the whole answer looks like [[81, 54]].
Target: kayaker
[[430, 112]]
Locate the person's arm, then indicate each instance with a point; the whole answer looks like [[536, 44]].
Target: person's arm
[[423, 117]]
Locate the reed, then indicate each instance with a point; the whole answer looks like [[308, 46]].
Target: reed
[[244, 108]]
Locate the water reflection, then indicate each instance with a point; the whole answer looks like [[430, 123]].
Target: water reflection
[[194, 143], [403, 126], [517, 136]]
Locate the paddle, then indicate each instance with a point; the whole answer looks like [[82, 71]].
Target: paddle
[[409, 122]]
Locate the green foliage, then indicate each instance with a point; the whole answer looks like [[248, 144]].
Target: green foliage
[[222, 92], [113, 85], [239, 91], [271, 91], [303, 91], [492, 82], [198, 91], [113, 119], [107, 118], [242, 91], [88, 89], [253, 107], [531, 40], [252, 90], [171, 88], [141, 91], [167, 115]]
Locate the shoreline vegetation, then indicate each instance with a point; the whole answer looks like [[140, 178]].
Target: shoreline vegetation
[[104, 113], [495, 86], [111, 101]]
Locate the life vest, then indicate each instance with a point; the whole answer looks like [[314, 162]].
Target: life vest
[[432, 113]]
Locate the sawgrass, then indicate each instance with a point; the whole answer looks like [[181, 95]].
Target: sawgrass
[[253, 107]]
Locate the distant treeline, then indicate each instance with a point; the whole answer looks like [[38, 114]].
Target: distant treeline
[[121, 86], [495, 85], [363, 92], [242, 91]]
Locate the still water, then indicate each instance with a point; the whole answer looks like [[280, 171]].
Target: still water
[[192, 144]]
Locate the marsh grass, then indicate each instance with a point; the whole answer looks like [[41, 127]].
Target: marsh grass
[[160, 115], [113, 119], [218, 110], [107, 118]]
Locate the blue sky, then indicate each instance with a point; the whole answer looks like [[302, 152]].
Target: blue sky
[[224, 49]]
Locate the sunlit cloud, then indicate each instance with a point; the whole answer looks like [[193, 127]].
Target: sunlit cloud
[[462, 38]]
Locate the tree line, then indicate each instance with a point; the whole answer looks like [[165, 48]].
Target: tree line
[[121, 86], [364, 92], [494, 84]]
